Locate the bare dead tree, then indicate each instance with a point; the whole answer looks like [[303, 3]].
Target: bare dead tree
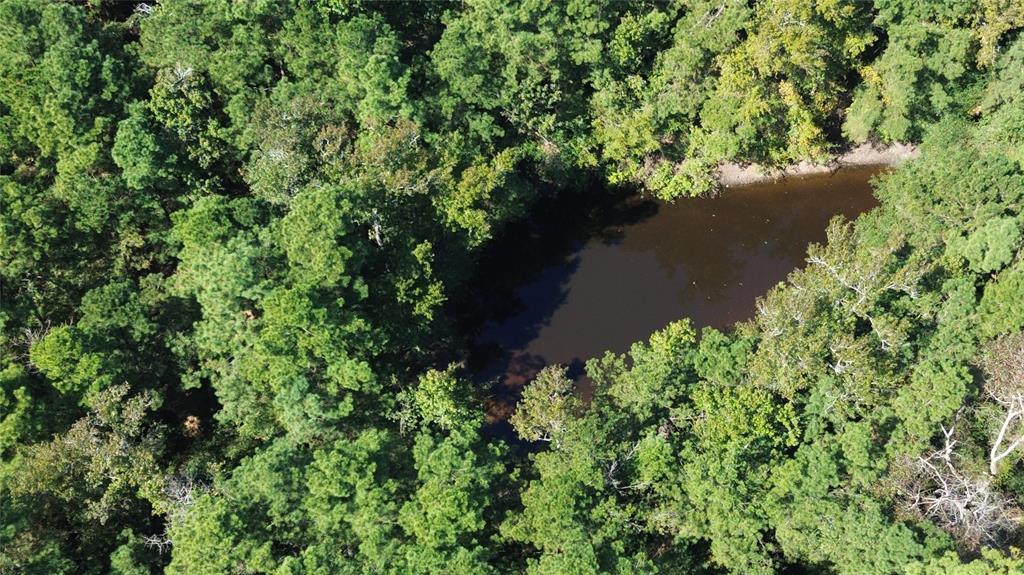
[[864, 280], [1004, 384], [180, 493], [376, 230], [934, 487], [711, 15], [181, 73], [29, 337], [613, 468]]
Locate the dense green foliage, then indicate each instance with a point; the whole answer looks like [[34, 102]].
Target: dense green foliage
[[232, 234]]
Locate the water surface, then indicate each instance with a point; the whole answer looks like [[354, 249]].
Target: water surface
[[611, 276]]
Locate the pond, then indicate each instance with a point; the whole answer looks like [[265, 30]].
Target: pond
[[586, 280]]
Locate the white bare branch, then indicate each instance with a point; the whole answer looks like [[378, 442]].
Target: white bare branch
[[1004, 384], [963, 505], [180, 493]]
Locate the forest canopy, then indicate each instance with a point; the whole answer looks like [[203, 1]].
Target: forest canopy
[[234, 237]]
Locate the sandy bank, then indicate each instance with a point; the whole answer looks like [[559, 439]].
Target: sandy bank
[[734, 174]]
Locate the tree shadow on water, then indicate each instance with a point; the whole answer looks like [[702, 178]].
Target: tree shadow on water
[[521, 281], [609, 225], [556, 227], [522, 277], [530, 308]]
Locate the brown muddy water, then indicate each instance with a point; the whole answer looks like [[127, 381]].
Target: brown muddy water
[[586, 280]]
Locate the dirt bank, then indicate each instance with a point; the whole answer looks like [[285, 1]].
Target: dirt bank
[[734, 174]]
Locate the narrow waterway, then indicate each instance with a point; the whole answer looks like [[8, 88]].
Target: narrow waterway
[[587, 283]]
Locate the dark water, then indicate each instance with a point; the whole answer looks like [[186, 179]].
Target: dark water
[[606, 278]]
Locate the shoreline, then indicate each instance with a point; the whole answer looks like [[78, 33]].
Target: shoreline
[[731, 174]]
